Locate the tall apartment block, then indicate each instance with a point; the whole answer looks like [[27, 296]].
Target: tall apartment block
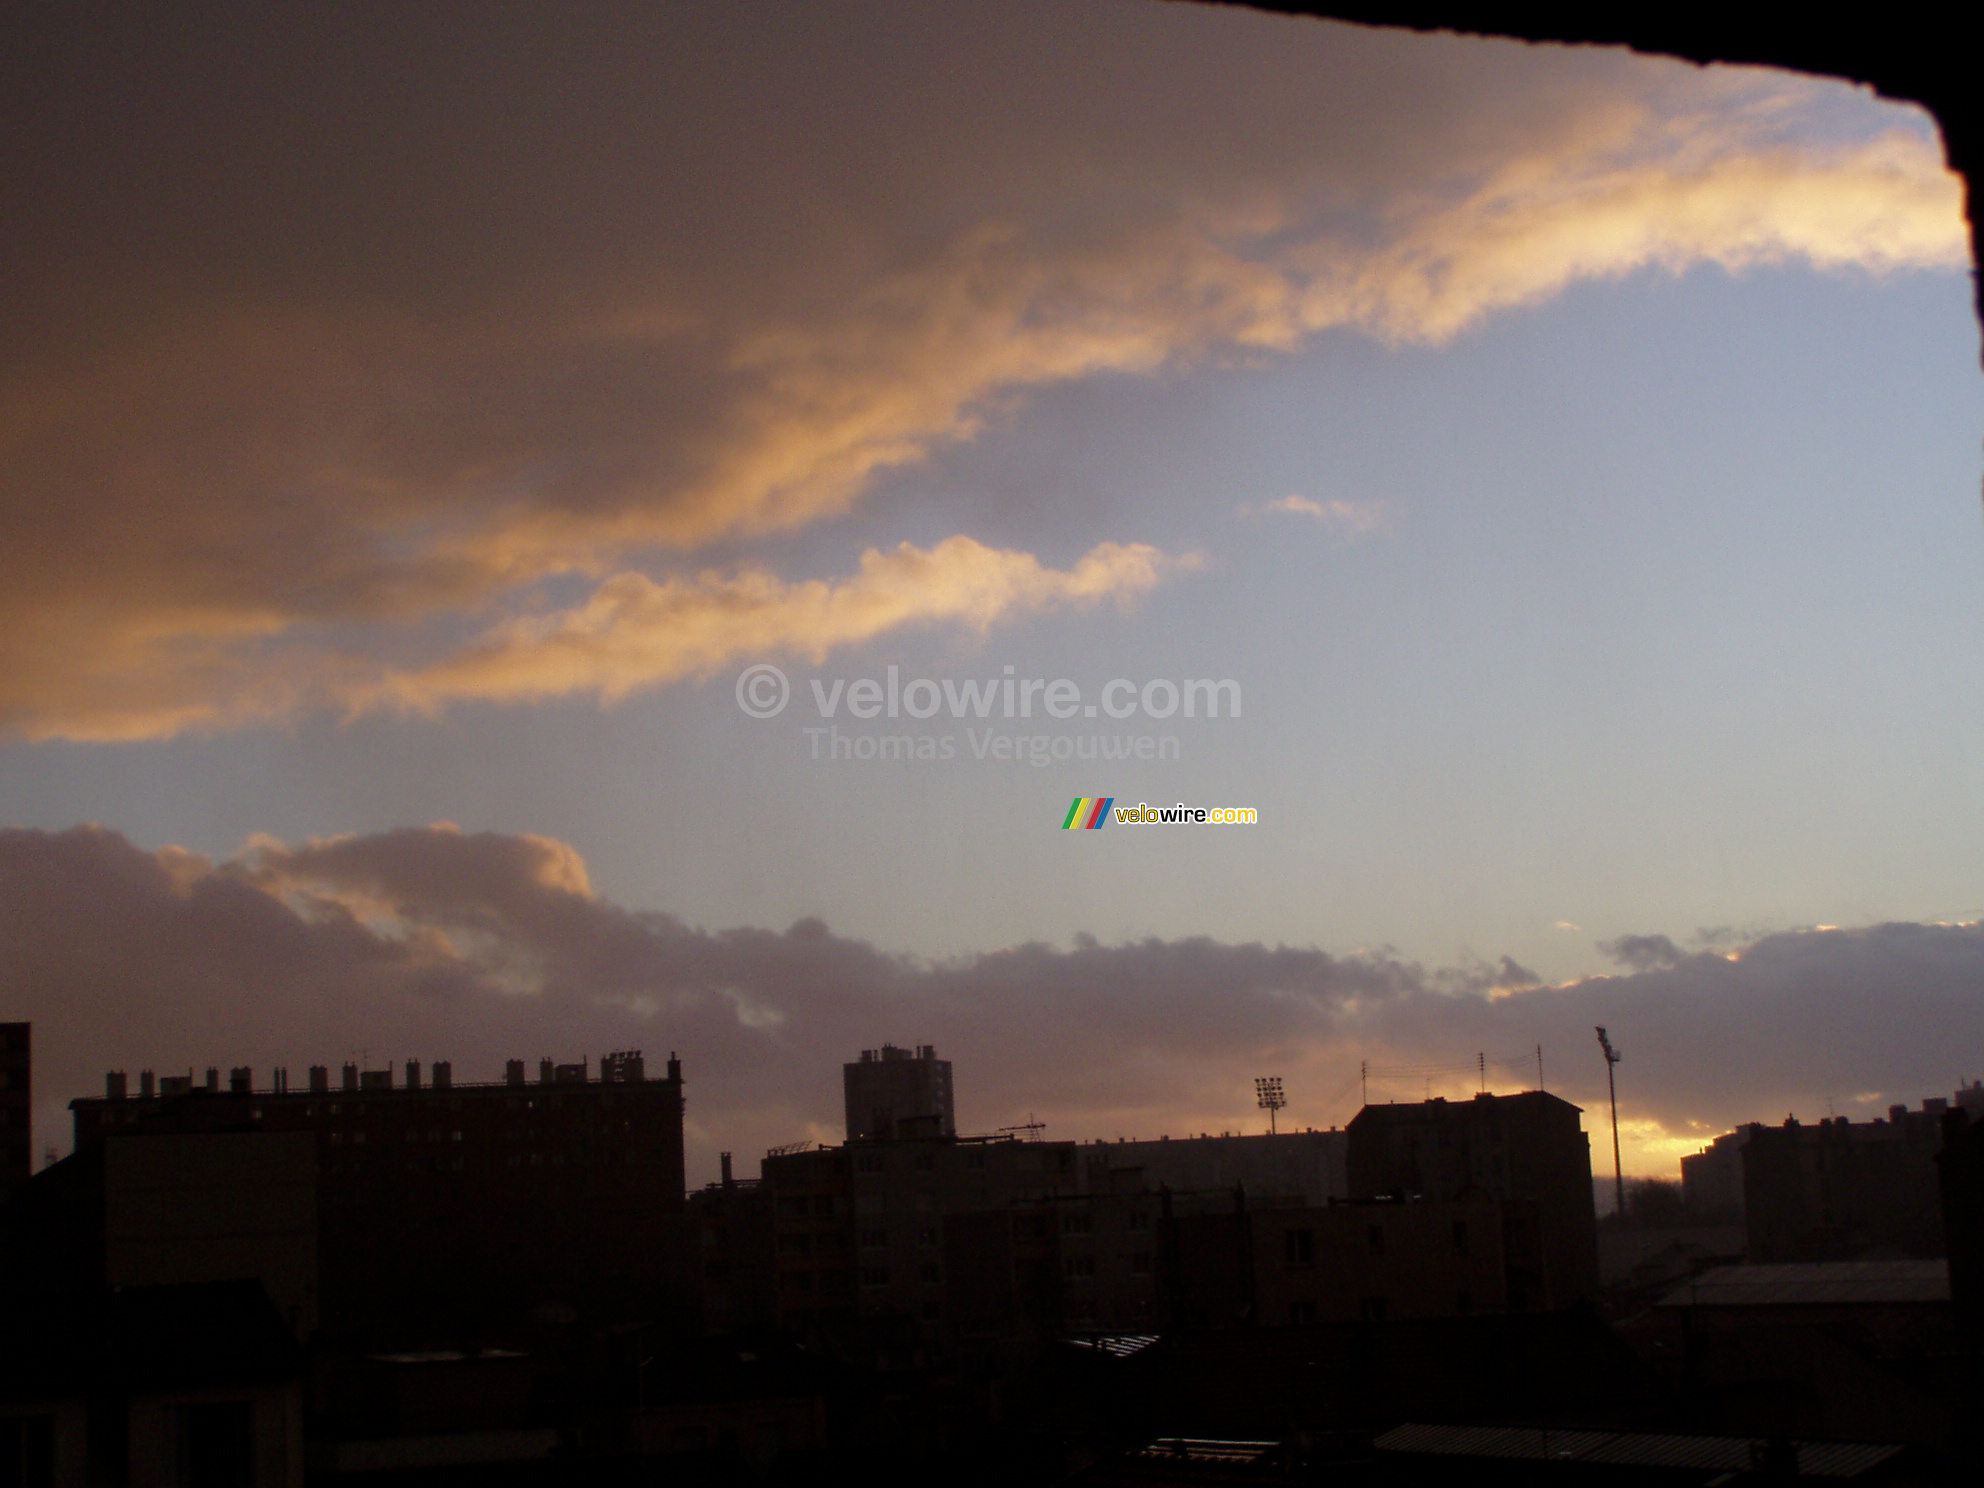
[[892, 1093]]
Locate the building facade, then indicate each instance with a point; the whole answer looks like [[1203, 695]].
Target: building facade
[[446, 1209], [893, 1092], [1527, 1151], [1304, 1165], [1840, 1190]]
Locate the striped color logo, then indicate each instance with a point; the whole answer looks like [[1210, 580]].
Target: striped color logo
[[1088, 811]]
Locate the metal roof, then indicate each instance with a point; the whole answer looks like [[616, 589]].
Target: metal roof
[[1815, 1284], [1117, 1345], [1206, 1449], [1630, 1448]]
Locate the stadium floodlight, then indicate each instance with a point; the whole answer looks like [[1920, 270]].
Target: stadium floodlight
[[1268, 1096]]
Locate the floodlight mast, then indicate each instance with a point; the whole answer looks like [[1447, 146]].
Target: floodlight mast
[[1268, 1096], [1612, 1088]]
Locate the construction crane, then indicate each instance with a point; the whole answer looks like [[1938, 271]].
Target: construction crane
[[1612, 1088]]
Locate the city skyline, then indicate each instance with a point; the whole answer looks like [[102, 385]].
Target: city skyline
[[1569, 456]]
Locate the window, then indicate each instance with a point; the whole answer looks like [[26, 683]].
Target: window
[[925, 1162], [1302, 1312], [1078, 1266], [926, 1237], [823, 1206], [1140, 1262], [930, 1275], [1376, 1237], [869, 1162], [1372, 1309], [874, 1276], [1464, 1304], [874, 1239], [1076, 1224], [1460, 1236], [1299, 1247], [975, 1158], [1139, 1220]]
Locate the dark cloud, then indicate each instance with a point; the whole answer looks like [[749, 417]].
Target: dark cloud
[[432, 943], [1642, 952]]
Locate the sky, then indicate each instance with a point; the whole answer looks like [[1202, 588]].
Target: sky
[[466, 474]]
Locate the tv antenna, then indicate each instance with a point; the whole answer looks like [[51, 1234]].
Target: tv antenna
[[1028, 1130], [1612, 1088], [1268, 1096]]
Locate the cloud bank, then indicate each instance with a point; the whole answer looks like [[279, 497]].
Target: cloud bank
[[431, 943], [336, 339]]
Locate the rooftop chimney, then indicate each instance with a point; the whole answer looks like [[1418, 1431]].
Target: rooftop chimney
[[113, 1085]]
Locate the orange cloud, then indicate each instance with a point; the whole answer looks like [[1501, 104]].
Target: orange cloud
[[246, 465], [634, 632]]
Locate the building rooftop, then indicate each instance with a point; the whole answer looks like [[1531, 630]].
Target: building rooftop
[[1630, 1449], [1820, 1283]]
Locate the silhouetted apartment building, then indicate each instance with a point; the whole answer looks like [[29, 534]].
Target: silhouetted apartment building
[[150, 1387], [16, 1106], [892, 1093], [443, 1209], [1039, 1268], [1240, 1265], [1960, 1179], [859, 1230], [1528, 1152], [1841, 1190], [1303, 1165], [1832, 1190], [734, 1253], [1712, 1179], [174, 1209]]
